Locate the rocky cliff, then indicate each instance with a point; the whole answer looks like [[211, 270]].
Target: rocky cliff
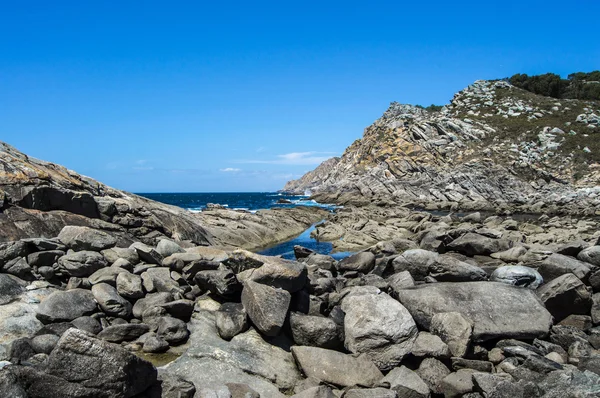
[[38, 198], [494, 146]]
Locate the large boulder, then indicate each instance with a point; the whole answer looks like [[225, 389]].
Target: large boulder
[[566, 295], [109, 300], [378, 326], [81, 264], [590, 255], [265, 365], [455, 330], [279, 273], [10, 288], [517, 275], [557, 264], [445, 268], [85, 238], [336, 368], [99, 365], [406, 383], [266, 306], [361, 262], [415, 261], [316, 331], [64, 306], [473, 244], [496, 309]]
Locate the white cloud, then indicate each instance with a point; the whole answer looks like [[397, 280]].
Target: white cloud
[[230, 170], [296, 158]]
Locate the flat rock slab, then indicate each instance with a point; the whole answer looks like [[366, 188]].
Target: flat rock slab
[[496, 309], [336, 368]]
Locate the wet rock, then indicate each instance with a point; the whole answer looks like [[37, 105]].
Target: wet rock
[[81, 264], [336, 368], [517, 275], [496, 309], [66, 306], [565, 295], [266, 306], [378, 326]]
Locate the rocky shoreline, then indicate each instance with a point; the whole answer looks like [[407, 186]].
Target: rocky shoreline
[[107, 294], [462, 308]]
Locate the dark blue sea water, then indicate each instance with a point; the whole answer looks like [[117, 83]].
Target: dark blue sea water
[[253, 201], [233, 200]]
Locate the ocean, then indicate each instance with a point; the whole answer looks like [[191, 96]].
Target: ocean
[[252, 201]]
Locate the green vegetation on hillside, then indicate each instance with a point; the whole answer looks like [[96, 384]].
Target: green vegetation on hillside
[[580, 85], [431, 108]]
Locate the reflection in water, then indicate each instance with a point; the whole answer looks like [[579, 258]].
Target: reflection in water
[[286, 249]]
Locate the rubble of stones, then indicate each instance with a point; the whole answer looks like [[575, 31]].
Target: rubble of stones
[[472, 310]]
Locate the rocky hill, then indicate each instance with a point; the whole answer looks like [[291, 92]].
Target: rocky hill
[[38, 198], [495, 146]]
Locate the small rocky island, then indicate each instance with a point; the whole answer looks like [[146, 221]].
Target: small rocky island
[[475, 233]]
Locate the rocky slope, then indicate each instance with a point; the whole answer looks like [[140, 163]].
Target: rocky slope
[[38, 198], [493, 147]]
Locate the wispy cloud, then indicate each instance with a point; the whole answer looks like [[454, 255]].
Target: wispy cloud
[[230, 170], [295, 158]]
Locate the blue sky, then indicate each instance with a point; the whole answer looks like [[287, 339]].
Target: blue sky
[[195, 96]]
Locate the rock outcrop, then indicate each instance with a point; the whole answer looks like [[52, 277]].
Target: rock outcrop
[[38, 199], [494, 146]]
